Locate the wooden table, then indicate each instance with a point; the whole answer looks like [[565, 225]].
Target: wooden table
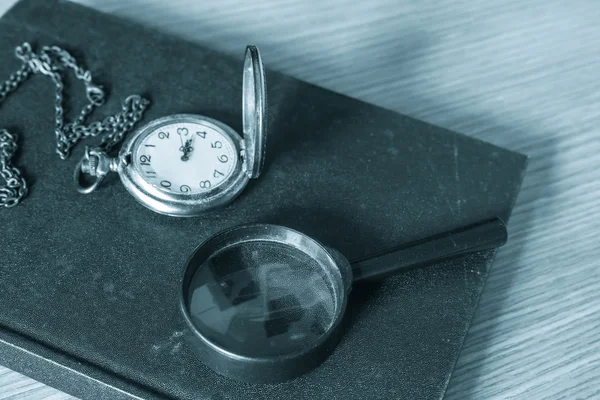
[[523, 75]]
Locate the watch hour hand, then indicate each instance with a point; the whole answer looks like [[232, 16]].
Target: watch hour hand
[[186, 148]]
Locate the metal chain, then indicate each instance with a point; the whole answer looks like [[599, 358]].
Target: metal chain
[[53, 61], [15, 188]]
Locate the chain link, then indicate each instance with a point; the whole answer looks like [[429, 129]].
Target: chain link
[[53, 61], [16, 187]]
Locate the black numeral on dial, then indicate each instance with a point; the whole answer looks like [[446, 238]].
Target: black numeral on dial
[[163, 135], [145, 160], [217, 174], [165, 184], [216, 145], [223, 158], [205, 184], [185, 188], [201, 134]]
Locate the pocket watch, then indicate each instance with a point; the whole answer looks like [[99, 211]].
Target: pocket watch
[[185, 164]]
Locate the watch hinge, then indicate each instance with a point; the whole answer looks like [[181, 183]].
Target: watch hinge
[[243, 155]]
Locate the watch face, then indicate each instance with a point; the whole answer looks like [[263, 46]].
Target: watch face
[[185, 157]]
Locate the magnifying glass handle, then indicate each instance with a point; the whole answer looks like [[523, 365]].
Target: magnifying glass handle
[[484, 235]]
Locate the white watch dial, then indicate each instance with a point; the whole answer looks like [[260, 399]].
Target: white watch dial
[[186, 157]]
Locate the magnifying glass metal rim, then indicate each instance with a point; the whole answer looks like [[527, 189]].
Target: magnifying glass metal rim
[[267, 369]]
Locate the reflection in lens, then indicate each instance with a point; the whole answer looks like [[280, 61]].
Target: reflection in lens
[[262, 299]]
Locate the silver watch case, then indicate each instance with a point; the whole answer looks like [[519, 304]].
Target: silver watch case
[[250, 148]]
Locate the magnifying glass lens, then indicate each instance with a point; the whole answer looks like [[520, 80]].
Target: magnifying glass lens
[[262, 299]]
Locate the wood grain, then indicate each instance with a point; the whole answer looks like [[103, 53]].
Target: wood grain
[[523, 75]]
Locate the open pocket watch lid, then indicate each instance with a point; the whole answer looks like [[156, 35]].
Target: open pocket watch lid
[[254, 112]]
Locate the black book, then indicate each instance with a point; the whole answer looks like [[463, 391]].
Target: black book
[[89, 285]]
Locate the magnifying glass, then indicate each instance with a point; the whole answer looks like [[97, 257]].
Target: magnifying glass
[[264, 303]]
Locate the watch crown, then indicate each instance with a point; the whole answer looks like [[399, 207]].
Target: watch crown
[[89, 165]]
